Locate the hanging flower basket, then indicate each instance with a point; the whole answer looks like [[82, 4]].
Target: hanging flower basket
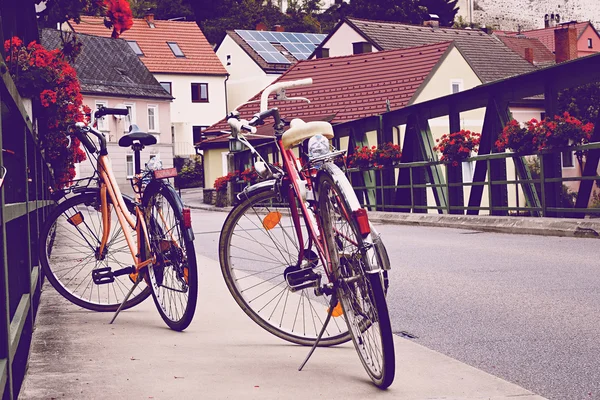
[[386, 155], [457, 147]]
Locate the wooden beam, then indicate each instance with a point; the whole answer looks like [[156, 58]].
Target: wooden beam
[[18, 323], [591, 169], [454, 173], [492, 124]]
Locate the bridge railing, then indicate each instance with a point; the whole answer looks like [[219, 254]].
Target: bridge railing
[[24, 202], [418, 194]]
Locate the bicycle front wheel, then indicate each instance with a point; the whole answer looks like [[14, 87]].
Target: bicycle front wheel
[[174, 275], [359, 291], [258, 247], [69, 254]]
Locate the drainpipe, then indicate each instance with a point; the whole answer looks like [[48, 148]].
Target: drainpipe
[[226, 106]]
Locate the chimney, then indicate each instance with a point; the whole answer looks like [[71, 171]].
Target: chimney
[[279, 28], [149, 18], [261, 26], [321, 52], [565, 43], [529, 55], [361, 47], [433, 21]]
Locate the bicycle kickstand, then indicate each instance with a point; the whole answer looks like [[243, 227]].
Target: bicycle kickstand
[[332, 305], [137, 282]]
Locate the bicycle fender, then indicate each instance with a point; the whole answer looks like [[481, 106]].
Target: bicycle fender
[[378, 251], [167, 190], [259, 187]]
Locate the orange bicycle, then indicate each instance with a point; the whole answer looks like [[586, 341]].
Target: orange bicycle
[[106, 251]]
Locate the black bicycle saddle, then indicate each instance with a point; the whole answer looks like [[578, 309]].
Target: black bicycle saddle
[[135, 135]]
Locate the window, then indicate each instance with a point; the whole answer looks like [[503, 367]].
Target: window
[[129, 119], [175, 49], [567, 159], [129, 166], [590, 44], [197, 132], [167, 87], [152, 118], [135, 47], [102, 122], [456, 86], [199, 92]]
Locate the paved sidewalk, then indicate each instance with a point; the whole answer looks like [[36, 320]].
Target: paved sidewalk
[[222, 355], [588, 228]]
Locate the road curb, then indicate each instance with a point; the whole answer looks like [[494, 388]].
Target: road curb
[[563, 227]]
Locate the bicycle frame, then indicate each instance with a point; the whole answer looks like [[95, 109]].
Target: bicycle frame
[[109, 186]]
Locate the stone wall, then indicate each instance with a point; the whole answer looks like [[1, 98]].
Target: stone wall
[[529, 14]]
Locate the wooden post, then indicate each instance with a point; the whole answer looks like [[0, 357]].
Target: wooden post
[[456, 196]]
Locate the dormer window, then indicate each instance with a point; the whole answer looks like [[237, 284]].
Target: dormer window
[[135, 47], [175, 49]]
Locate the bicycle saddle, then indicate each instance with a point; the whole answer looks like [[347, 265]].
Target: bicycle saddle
[[134, 135], [300, 131]]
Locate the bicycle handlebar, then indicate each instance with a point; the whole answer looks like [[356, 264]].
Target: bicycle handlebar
[[81, 131], [264, 98], [102, 111]]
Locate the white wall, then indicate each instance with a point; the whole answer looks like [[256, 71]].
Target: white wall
[[117, 127], [340, 43], [185, 114], [246, 77]]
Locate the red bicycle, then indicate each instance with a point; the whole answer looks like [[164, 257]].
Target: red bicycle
[[298, 252]]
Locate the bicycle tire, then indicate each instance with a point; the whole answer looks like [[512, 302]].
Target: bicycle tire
[[63, 243], [253, 262], [360, 292], [174, 276]]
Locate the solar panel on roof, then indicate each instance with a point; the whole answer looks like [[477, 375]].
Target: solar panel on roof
[[300, 45]]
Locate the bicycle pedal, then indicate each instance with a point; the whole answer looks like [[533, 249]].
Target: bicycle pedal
[[102, 276], [299, 279]]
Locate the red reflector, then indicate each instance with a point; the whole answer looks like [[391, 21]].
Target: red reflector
[[187, 218], [363, 221], [165, 173]]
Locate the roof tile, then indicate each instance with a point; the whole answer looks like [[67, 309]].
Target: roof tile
[[490, 59], [200, 57], [344, 85]]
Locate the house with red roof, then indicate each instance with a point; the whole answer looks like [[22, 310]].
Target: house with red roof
[[185, 64], [586, 37], [112, 75], [349, 88], [255, 58]]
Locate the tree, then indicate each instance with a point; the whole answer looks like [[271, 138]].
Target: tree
[[582, 102], [408, 11], [445, 9], [163, 9], [215, 19]]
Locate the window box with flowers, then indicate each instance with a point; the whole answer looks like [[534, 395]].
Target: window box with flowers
[[384, 155], [560, 131]]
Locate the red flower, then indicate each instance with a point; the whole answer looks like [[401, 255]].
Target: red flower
[[120, 16]]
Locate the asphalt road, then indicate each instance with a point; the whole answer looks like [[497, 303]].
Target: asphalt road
[[523, 308]]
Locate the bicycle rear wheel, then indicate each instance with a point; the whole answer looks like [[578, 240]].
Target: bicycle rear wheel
[[174, 275], [360, 291], [69, 243], [257, 248]]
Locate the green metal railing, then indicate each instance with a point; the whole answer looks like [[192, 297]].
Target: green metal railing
[[519, 205], [24, 202]]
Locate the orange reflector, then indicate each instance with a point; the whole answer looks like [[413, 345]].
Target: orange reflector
[[133, 277], [165, 173], [363, 221], [271, 220], [187, 218], [337, 310], [186, 274], [76, 219]]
